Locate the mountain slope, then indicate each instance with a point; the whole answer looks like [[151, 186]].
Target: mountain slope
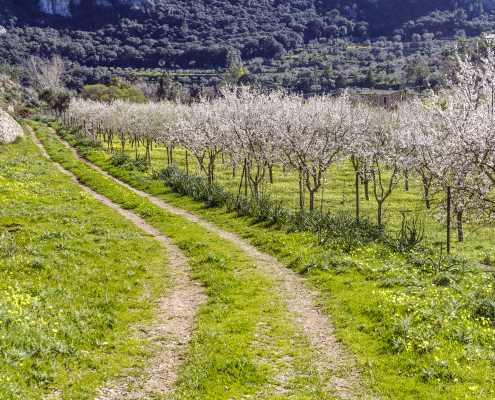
[[212, 34]]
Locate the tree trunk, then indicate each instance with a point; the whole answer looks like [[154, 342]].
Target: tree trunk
[[460, 227], [367, 188], [301, 190], [246, 173], [148, 152], [187, 163], [270, 173], [426, 192], [379, 214], [406, 181], [211, 170], [449, 203], [312, 200], [358, 211]]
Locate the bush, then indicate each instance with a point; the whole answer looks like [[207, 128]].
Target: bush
[[485, 308], [484, 303], [410, 235], [193, 186], [123, 160], [342, 228], [120, 160], [140, 164]]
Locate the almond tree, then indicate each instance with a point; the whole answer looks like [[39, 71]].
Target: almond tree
[[312, 135], [204, 133], [251, 125], [361, 126], [446, 119], [387, 153]]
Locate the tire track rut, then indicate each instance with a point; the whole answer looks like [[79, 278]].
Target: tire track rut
[[333, 362], [172, 329]]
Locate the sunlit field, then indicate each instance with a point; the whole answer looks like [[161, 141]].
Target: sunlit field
[[419, 323], [69, 305]]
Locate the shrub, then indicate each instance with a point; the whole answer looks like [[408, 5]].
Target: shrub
[[120, 159], [484, 303], [123, 160], [140, 164], [410, 235], [341, 228], [485, 308]]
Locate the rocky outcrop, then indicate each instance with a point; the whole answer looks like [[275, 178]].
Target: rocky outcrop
[[10, 130], [58, 7]]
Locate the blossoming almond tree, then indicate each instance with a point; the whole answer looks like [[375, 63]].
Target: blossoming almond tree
[[312, 135], [250, 121], [204, 133], [387, 152]]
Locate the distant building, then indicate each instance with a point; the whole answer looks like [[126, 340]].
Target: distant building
[[382, 98], [489, 37], [3, 31]]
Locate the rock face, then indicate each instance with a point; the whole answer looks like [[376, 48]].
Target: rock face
[[10, 130], [58, 7], [64, 8]]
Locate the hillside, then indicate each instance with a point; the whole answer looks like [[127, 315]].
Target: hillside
[[291, 42]]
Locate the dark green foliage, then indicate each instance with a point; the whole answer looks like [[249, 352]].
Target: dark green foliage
[[120, 159], [486, 308], [341, 229], [123, 160], [57, 101], [201, 34], [193, 186]]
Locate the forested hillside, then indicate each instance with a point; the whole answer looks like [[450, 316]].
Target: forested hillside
[[299, 43]]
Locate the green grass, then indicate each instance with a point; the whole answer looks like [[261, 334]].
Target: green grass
[[412, 320], [75, 280], [244, 335]]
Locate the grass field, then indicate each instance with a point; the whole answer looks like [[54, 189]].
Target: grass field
[[421, 325], [337, 194], [69, 298], [229, 357]]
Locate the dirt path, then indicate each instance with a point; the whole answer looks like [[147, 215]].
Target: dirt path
[[172, 329], [330, 355]]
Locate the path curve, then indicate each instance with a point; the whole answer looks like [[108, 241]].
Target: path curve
[[329, 353], [172, 330]]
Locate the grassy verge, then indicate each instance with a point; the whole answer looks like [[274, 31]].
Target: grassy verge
[[69, 298], [244, 337], [421, 324]]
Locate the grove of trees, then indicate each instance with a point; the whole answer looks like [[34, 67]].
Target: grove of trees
[[446, 140]]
